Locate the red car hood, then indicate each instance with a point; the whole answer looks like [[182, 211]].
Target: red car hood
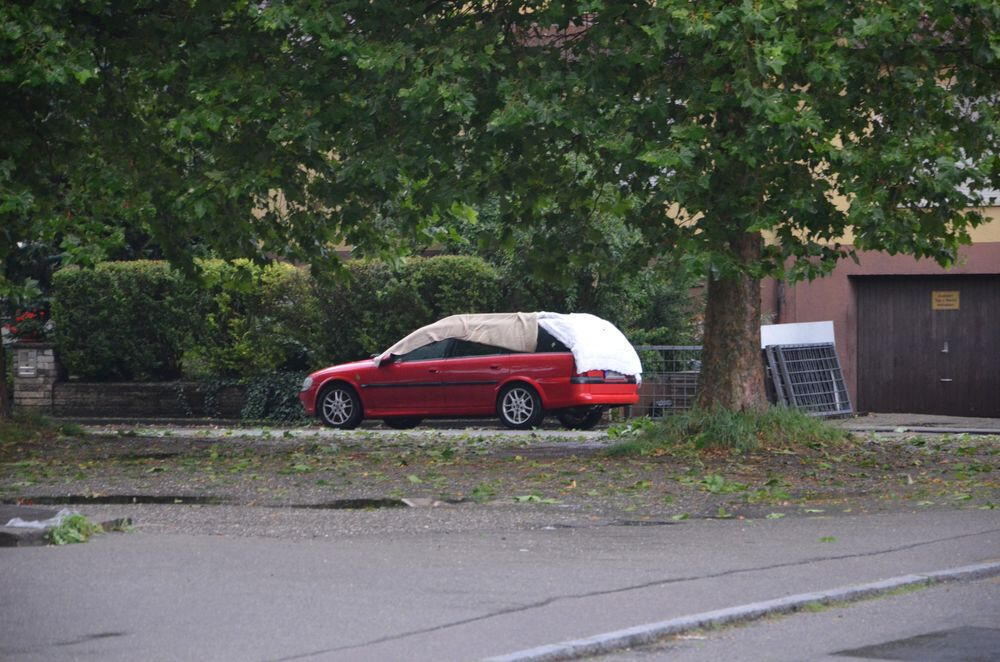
[[366, 364]]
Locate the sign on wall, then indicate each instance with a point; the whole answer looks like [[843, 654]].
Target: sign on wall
[[945, 300]]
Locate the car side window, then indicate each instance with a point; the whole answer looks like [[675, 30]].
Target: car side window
[[468, 348], [435, 350], [548, 342]]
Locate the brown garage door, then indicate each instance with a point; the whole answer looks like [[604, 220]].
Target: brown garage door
[[929, 345]]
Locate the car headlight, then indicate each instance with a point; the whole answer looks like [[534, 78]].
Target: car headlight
[[307, 384]]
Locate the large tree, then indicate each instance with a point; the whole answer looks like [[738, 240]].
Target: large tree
[[758, 135], [702, 125]]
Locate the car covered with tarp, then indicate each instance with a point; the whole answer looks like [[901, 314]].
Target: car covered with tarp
[[516, 366]]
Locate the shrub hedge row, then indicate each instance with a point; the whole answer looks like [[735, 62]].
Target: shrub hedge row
[[143, 320], [123, 320]]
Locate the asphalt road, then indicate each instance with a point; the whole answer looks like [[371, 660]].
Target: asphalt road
[[445, 595]]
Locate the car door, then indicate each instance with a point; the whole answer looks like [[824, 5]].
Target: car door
[[409, 384], [470, 377]]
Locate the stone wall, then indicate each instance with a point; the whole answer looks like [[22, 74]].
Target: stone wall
[[35, 372], [146, 400], [40, 386]]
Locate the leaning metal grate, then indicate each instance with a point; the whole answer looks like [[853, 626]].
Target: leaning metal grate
[[808, 377], [669, 379]]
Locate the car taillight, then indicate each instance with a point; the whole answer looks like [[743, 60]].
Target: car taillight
[[599, 374]]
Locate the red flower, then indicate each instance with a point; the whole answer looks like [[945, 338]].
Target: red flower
[[27, 325]]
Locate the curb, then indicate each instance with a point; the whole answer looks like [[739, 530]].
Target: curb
[[902, 429], [646, 634]]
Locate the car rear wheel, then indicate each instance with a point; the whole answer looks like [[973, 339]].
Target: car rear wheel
[[520, 407], [402, 422], [339, 406], [580, 418]]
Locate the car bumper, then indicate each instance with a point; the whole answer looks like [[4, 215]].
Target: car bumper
[[308, 400], [589, 395]]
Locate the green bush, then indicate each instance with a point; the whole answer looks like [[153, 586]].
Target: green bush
[[380, 303], [252, 320], [274, 398], [240, 320], [123, 320]]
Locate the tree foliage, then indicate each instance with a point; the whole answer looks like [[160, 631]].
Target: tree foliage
[[382, 124]]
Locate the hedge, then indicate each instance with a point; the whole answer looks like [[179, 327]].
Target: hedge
[[244, 321], [144, 321], [122, 320], [382, 303], [252, 320]]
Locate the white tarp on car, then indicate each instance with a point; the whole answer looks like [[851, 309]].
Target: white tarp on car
[[596, 344]]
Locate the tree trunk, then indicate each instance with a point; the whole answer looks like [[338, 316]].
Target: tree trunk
[[732, 372]]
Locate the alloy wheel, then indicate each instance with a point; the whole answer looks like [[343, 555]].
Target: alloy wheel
[[338, 406], [518, 405]]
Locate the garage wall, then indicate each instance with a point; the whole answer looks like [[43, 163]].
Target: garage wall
[[929, 344], [835, 298]]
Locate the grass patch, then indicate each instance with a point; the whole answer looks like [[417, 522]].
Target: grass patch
[[739, 431], [72, 430], [23, 428]]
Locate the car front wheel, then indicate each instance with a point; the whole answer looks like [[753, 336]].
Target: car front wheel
[[580, 418], [520, 407], [339, 406]]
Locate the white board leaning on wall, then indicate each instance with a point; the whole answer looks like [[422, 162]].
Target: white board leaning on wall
[[803, 333]]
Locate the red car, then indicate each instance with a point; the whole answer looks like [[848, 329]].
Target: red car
[[510, 365]]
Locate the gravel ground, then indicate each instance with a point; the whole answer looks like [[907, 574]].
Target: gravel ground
[[308, 482]]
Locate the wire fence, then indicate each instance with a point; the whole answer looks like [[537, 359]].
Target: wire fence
[[807, 377], [669, 379]]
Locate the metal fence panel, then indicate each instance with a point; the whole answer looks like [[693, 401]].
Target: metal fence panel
[[669, 379], [809, 377]]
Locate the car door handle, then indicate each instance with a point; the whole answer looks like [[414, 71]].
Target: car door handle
[[494, 367], [432, 370], [946, 380]]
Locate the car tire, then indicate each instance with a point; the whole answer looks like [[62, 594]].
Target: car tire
[[520, 407], [580, 418], [339, 407], [402, 422]]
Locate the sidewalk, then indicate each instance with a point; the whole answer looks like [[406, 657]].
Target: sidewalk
[[921, 423]]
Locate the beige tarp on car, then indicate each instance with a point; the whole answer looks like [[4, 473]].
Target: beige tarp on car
[[517, 332], [596, 344]]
